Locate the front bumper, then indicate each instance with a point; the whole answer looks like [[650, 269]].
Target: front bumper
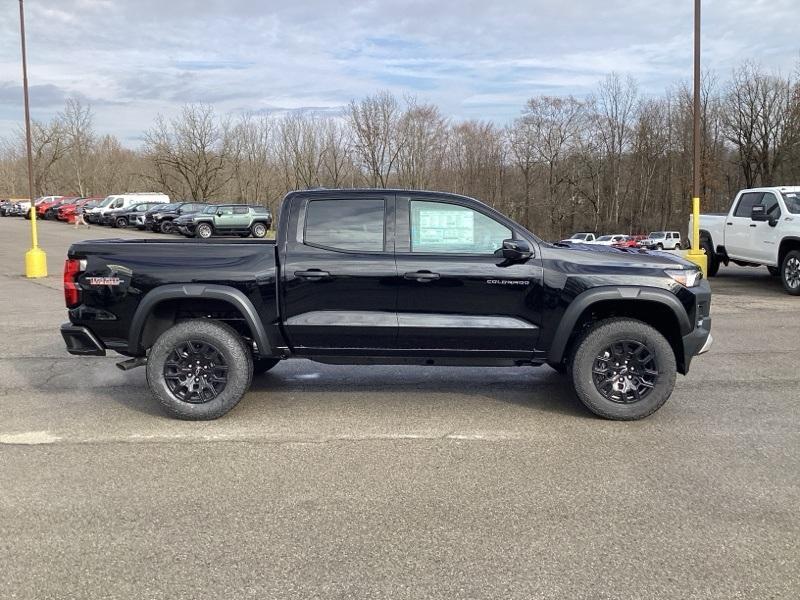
[[80, 341], [699, 340]]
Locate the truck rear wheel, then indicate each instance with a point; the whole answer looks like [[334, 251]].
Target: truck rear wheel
[[199, 370], [623, 369], [790, 272], [713, 261]]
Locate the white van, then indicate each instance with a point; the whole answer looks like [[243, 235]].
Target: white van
[[95, 215]]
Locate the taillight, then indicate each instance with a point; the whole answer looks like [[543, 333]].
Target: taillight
[[72, 295]]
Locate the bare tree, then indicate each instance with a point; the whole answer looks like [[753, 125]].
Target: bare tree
[[423, 130], [77, 123], [756, 114], [377, 139], [190, 152]]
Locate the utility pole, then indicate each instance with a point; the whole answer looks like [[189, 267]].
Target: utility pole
[[696, 254], [35, 258]]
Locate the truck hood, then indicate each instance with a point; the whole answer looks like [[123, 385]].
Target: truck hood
[[593, 254]]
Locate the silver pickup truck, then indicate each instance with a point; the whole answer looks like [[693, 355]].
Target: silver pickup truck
[[762, 228]]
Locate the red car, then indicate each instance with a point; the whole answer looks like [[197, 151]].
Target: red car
[[631, 241], [68, 211]]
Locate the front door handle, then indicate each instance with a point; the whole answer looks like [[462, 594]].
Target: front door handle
[[421, 276], [313, 274], [753, 225], [730, 223]]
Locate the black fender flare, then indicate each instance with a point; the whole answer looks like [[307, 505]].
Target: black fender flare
[[593, 296], [197, 290]]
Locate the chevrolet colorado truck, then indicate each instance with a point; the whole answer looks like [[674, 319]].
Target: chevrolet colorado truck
[[762, 228], [386, 277]]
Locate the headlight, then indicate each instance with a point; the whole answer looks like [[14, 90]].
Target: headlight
[[686, 277]]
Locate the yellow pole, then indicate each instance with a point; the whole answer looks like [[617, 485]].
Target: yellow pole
[[35, 258], [696, 254]]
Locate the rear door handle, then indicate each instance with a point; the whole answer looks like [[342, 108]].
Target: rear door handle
[[313, 274], [421, 276], [752, 225], [730, 223]]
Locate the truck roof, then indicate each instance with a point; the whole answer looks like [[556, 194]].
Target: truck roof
[[328, 191], [776, 188]]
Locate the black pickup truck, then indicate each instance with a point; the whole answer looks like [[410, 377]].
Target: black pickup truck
[[386, 277]]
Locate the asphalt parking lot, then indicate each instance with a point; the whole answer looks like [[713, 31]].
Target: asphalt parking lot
[[395, 482]]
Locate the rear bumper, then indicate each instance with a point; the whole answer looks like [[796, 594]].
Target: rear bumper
[[80, 341]]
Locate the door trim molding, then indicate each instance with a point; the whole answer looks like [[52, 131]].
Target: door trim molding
[[356, 318]]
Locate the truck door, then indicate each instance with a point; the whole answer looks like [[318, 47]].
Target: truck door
[[457, 292], [739, 227], [765, 238], [339, 276]]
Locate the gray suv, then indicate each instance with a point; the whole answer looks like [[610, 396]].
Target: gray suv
[[227, 219]]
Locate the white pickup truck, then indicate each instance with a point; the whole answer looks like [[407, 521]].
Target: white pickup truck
[[762, 228]]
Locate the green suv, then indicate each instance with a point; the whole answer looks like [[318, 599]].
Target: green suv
[[222, 219]]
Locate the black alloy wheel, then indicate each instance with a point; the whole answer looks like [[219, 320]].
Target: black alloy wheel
[[195, 372], [625, 372]]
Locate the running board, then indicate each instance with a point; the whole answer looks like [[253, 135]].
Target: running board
[[132, 363]]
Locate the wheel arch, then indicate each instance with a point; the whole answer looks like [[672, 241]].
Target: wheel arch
[[158, 311], [658, 308], [787, 245]]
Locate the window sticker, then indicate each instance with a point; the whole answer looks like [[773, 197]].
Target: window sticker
[[446, 227]]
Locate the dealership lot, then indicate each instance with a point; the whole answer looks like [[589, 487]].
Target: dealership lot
[[396, 482]]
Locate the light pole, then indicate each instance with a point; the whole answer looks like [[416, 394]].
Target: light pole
[[35, 258], [696, 254]]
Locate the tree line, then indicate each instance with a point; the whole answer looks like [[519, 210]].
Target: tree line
[[617, 160]]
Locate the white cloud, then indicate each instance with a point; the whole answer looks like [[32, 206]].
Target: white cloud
[[135, 58]]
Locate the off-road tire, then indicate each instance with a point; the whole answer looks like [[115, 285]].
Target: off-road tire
[[231, 346], [121, 223], [166, 227], [600, 336], [259, 230], [263, 364], [204, 230], [713, 260], [791, 259], [659, 246]]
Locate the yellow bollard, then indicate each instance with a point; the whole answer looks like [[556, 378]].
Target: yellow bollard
[[35, 258], [696, 254]]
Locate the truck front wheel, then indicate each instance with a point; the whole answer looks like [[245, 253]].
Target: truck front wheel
[[199, 370], [623, 369], [204, 230], [790, 272]]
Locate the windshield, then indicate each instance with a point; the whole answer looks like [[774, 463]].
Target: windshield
[[792, 200], [657, 234], [107, 201], [604, 238], [580, 236], [210, 210]]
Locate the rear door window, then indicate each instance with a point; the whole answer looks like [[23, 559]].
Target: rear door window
[[346, 224], [746, 203]]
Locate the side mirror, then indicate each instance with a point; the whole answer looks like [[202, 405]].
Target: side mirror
[[219, 213], [516, 250], [759, 213]]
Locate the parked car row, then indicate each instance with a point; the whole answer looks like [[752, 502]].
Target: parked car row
[[657, 240], [151, 211]]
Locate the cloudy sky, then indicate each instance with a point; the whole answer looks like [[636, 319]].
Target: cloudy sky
[[133, 59]]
